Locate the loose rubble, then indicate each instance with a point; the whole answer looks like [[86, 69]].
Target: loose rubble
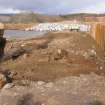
[[56, 69], [82, 90], [5, 78], [8, 86], [53, 56]]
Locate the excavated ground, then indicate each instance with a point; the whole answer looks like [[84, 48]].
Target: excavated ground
[[54, 56], [83, 90], [66, 68]]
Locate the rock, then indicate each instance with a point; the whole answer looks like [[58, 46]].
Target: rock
[[25, 56], [23, 45], [101, 67], [49, 85], [5, 77], [86, 55], [12, 74], [8, 86], [92, 53], [17, 53], [60, 54], [2, 80], [40, 83]]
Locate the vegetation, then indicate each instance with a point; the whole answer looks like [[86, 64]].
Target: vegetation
[[30, 17]]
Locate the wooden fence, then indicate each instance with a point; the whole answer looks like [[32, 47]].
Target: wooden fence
[[98, 33]]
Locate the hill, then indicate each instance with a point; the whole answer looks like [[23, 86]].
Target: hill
[[87, 17], [32, 17], [40, 18]]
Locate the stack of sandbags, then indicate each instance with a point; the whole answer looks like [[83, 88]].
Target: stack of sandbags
[[2, 40]]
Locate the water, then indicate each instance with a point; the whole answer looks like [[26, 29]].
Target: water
[[21, 34]]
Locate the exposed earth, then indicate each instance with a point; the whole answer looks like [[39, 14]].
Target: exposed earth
[[59, 68]]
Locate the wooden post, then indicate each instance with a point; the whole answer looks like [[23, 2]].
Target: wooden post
[[99, 34], [2, 40]]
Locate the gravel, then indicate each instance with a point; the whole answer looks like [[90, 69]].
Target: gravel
[[82, 90]]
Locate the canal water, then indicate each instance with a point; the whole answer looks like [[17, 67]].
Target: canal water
[[21, 34]]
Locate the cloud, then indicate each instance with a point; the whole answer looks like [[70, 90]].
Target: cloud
[[9, 10], [52, 6], [97, 8]]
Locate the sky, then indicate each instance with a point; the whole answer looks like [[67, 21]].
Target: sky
[[52, 6]]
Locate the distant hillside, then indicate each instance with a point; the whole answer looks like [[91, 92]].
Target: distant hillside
[[37, 18], [33, 18], [5, 17], [84, 17]]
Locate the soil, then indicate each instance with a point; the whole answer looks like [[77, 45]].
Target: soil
[[18, 26], [59, 68], [82, 90], [54, 56]]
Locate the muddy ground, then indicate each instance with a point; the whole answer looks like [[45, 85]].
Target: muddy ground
[[60, 68]]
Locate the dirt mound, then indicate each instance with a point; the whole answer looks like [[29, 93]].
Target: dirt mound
[[53, 56]]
